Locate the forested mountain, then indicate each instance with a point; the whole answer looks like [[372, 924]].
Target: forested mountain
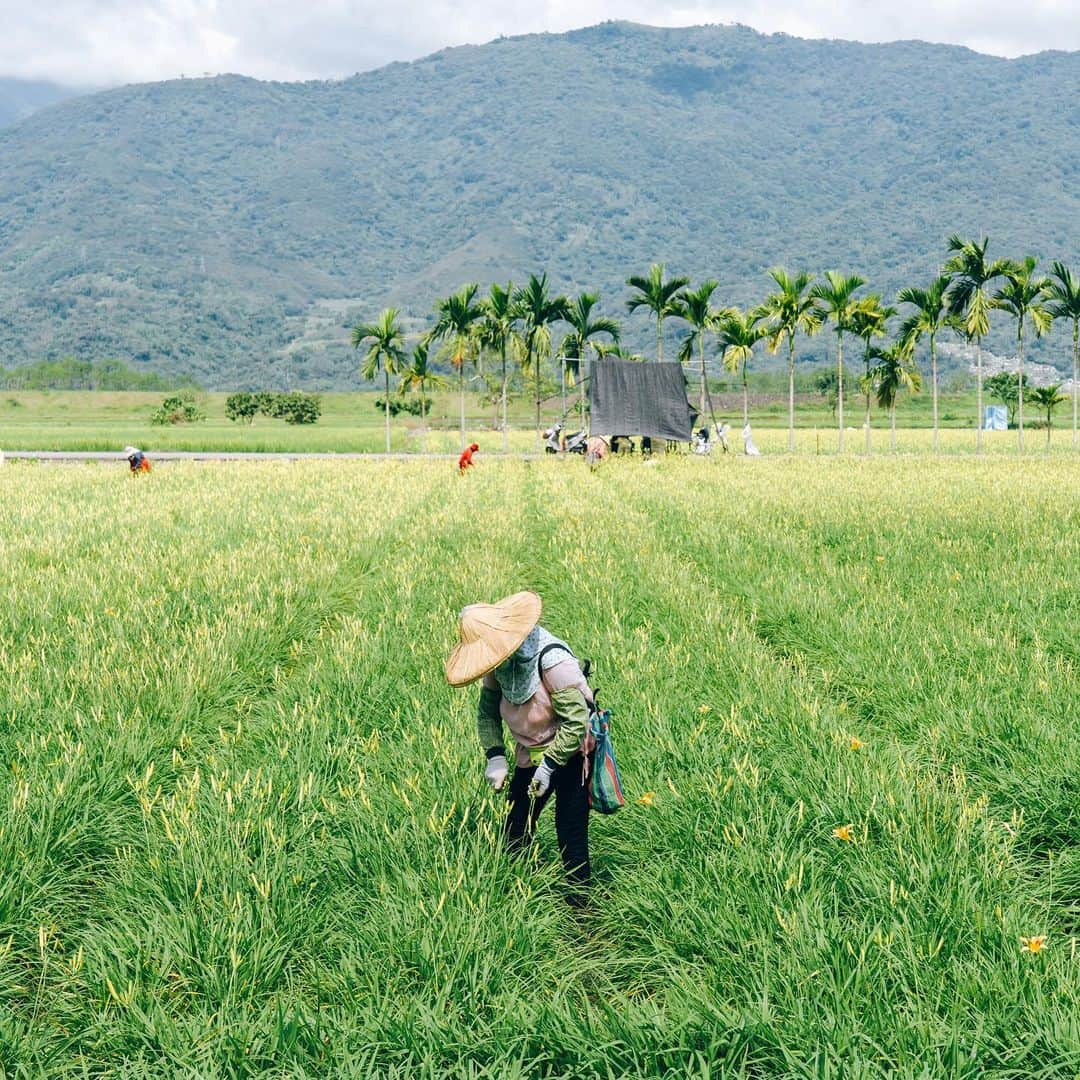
[[21, 97], [230, 229]]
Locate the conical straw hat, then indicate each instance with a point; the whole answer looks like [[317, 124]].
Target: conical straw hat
[[488, 634]]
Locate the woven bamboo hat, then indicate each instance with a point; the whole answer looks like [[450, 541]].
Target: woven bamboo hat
[[488, 634]]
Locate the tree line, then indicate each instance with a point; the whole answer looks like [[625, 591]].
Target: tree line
[[71, 374], [516, 327]]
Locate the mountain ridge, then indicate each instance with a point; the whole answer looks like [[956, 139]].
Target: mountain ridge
[[230, 229], [20, 98]]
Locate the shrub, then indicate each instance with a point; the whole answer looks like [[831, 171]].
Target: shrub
[[410, 405], [242, 406], [177, 409], [396, 405], [295, 407], [267, 402], [298, 407]]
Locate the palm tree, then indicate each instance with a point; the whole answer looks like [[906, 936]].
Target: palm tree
[[604, 349], [894, 371], [1064, 294], [695, 307], [583, 328], [968, 299], [387, 350], [659, 296], [1048, 398], [456, 319], [868, 321], [837, 295], [498, 334], [790, 309], [930, 314], [538, 309], [1022, 297], [737, 334], [419, 376]]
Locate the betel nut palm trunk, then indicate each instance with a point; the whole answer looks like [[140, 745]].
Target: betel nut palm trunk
[[536, 383], [978, 395], [1020, 387], [933, 386], [791, 394], [423, 419], [461, 397], [840, 386], [1075, 384], [866, 422], [701, 356], [503, 401], [581, 384], [386, 404]]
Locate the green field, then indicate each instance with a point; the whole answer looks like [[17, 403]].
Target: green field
[[86, 420], [244, 827]]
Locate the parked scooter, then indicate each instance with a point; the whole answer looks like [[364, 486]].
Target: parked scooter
[[556, 443], [575, 443]]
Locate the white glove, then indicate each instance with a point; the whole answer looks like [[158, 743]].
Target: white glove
[[496, 772], [541, 780]]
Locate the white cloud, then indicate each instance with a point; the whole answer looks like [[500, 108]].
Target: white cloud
[[108, 41]]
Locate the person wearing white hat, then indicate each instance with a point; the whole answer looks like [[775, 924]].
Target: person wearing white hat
[[136, 459], [532, 683]]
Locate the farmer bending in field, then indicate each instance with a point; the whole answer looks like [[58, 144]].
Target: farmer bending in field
[[136, 459], [465, 461], [534, 685]]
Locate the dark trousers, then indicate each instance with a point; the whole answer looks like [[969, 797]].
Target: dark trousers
[[571, 819]]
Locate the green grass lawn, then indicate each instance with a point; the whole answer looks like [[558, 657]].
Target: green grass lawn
[[83, 420], [245, 830]]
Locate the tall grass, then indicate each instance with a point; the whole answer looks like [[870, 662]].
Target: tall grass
[[243, 821]]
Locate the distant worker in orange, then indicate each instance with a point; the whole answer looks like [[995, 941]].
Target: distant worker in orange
[[136, 459], [466, 461]]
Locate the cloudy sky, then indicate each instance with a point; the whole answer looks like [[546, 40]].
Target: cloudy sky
[[110, 41]]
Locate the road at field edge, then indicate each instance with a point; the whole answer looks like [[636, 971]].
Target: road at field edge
[[226, 455]]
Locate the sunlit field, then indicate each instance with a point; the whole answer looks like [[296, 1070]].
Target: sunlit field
[[243, 821]]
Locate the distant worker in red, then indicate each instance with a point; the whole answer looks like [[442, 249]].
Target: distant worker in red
[[136, 459], [465, 461]]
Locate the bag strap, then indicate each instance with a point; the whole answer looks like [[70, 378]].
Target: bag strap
[[586, 667], [553, 647]]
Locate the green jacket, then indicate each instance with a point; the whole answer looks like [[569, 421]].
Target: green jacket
[[570, 709]]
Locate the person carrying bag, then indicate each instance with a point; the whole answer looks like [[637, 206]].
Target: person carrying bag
[[534, 686]]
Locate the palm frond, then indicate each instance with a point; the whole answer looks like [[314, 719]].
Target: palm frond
[[1063, 292], [659, 296]]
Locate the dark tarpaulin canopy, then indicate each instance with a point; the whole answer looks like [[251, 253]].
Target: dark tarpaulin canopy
[[629, 398]]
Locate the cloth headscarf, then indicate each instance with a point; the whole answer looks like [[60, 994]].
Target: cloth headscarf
[[518, 675]]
